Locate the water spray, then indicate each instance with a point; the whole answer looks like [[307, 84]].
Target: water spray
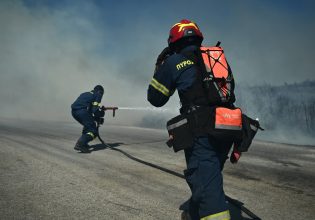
[[140, 109], [147, 109], [132, 108]]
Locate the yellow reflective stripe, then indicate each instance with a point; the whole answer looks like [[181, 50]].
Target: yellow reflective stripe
[[181, 26], [161, 88], [175, 24], [91, 134], [218, 216], [96, 103], [158, 87]]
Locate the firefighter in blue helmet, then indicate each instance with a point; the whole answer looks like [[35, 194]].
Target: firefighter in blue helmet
[[87, 111], [176, 68]]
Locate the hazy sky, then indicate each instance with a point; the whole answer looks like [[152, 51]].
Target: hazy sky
[[51, 51]]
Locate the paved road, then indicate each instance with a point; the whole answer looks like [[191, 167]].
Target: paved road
[[42, 177]]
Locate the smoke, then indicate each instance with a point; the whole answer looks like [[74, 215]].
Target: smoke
[[287, 112], [51, 51], [48, 57], [41, 63]]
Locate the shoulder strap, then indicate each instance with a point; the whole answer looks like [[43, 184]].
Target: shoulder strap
[[196, 57]]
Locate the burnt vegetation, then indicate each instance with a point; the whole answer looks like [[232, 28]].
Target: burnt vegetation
[[289, 106]]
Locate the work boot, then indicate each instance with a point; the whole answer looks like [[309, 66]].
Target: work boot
[[83, 148], [82, 143]]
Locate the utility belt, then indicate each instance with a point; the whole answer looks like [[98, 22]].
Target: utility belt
[[221, 123], [190, 109]]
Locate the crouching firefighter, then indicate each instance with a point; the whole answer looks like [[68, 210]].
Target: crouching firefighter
[[87, 111], [209, 123]]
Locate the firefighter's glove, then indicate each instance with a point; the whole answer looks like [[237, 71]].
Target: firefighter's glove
[[163, 55], [99, 113], [236, 154]]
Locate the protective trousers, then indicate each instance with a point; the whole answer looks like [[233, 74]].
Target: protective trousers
[[205, 160], [86, 119]]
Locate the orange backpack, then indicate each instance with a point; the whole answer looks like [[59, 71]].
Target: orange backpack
[[217, 76]]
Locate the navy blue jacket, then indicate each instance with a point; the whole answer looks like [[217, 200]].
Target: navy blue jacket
[[90, 101], [177, 72]]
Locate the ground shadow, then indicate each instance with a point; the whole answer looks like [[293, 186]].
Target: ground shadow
[[97, 147]]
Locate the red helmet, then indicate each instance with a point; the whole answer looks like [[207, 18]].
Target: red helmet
[[184, 28]]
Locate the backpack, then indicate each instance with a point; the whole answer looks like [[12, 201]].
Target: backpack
[[217, 76], [220, 119]]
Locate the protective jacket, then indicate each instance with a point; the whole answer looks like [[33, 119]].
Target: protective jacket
[[85, 110], [89, 101], [177, 72], [182, 71]]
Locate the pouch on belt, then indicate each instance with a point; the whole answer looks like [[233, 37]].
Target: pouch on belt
[[250, 128], [226, 124], [180, 133]]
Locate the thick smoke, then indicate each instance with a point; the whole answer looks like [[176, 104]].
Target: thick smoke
[[286, 112], [48, 57], [50, 53]]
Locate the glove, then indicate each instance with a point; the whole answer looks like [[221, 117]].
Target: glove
[[99, 116], [166, 52], [235, 155], [163, 55], [99, 113]]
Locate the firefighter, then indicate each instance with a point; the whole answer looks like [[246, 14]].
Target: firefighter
[[177, 68], [87, 111]]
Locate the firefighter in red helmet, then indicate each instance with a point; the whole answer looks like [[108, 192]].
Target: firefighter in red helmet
[[178, 68], [185, 29]]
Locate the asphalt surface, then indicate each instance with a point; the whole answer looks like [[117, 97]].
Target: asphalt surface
[[42, 177]]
